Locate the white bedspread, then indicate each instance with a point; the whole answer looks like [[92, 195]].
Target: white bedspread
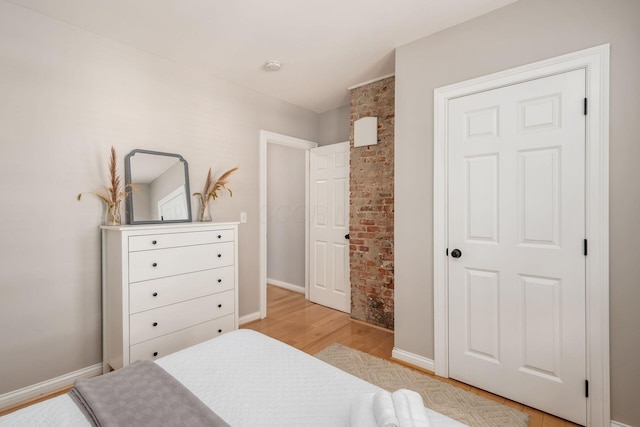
[[249, 380]]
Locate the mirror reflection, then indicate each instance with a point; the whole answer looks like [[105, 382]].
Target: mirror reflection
[[159, 187]]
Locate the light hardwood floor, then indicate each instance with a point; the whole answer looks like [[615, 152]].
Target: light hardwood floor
[[311, 327]]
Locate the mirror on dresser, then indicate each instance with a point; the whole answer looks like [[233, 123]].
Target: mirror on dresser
[[159, 185]]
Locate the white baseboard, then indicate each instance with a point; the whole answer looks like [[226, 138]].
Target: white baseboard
[[413, 359], [285, 285], [26, 393], [249, 318], [617, 424]]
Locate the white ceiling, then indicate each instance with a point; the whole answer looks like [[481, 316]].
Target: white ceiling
[[324, 46]]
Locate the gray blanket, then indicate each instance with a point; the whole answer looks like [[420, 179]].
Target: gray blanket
[[141, 394]]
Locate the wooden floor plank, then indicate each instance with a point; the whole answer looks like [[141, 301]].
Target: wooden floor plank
[[535, 417]]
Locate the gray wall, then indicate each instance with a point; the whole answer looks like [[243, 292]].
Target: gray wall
[[525, 32], [334, 126], [286, 214], [67, 96]]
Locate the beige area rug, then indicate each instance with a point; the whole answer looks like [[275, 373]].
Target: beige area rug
[[449, 400]]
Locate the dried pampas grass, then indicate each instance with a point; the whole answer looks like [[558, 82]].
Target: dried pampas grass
[[211, 188], [114, 194]]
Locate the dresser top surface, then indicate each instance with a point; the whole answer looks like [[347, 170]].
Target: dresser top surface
[[182, 225]]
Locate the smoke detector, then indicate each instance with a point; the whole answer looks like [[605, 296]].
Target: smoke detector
[[272, 65]]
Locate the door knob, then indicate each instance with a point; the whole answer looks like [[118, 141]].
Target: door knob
[[346, 236], [456, 253]]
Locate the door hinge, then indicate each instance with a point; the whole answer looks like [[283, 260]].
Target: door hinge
[[584, 247], [447, 252], [586, 388], [585, 106]]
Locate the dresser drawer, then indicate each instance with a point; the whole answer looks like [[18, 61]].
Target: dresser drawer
[[167, 344], [173, 240], [170, 290], [147, 265], [164, 320]]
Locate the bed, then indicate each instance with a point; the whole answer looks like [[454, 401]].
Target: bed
[[248, 379]]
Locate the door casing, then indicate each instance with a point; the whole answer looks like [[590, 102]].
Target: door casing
[[267, 137], [596, 63]]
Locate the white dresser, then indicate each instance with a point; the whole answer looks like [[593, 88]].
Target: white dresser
[[166, 287]]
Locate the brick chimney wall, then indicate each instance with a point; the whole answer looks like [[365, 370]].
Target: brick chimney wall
[[371, 207]]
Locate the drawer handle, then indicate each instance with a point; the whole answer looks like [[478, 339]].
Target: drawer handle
[[219, 255], [219, 280], [155, 354], [154, 242], [155, 264], [219, 331], [219, 305], [155, 294], [219, 236], [155, 323]]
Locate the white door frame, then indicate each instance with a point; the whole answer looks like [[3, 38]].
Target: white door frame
[[596, 63], [267, 137]]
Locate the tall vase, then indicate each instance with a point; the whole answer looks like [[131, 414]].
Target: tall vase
[[113, 213], [205, 214]]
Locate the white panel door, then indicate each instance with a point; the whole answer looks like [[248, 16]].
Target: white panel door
[[329, 225], [517, 220], [173, 206]]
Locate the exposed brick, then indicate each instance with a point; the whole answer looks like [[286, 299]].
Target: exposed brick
[[371, 207]]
